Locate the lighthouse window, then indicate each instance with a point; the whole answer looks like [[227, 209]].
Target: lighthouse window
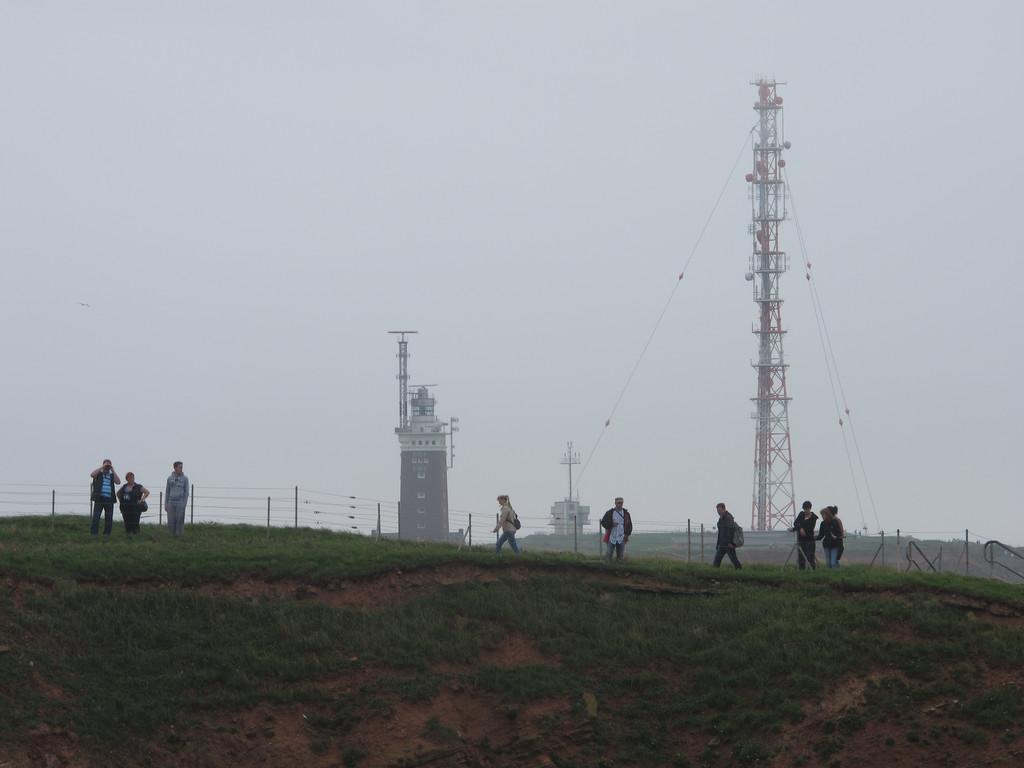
[[421, 475], [421, 495], [421, 510], [421, 525]]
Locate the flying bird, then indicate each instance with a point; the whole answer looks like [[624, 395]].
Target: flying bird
[[83, 304]]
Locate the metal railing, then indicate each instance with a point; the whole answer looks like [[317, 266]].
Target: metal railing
[[988, 552], [911, 548]]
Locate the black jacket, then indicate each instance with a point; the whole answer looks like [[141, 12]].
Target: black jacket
[[726, 528], [830, 533], [97, 487], [606, 521], [130, 500], [805, 527]]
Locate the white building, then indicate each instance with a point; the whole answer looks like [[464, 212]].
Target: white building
[[568, 513]]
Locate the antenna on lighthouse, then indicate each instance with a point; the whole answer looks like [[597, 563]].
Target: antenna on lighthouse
[[403, 381]]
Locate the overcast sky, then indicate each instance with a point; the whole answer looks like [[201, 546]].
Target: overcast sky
[[250, 195]]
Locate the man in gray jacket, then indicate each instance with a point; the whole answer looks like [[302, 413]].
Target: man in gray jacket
[[175, 499]]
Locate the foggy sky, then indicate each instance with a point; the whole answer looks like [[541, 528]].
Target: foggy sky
[[250, 195]]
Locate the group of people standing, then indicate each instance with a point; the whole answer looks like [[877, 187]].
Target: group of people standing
[[131, 498], [830, 533]]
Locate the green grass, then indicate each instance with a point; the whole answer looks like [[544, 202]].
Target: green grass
[[734, 655]]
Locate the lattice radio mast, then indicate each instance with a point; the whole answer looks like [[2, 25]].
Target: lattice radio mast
[[773, 503], [403, 380]]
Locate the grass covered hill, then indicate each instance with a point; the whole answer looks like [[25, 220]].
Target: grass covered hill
[[228, 648]]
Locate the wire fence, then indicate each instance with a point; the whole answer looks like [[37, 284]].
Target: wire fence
[[275, 507], [963, 551]]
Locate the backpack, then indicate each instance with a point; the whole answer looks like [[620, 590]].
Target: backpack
[[737, 536], [515, 520]]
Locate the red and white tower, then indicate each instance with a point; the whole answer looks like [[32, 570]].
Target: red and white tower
[[773, 502]]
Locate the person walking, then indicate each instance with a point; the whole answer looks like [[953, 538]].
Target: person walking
[[175, 499], [804, 527], [618, 526], [726, 532], [132, 497], [507, 526], [104, 482]]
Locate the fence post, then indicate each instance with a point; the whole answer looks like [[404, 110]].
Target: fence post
[[268, 518], [575, 535], [399, 521], [192, 505], [470, 530], [967, 552], [702, 543], [378, 521], [688, 540], [898, 544], [53, 509]]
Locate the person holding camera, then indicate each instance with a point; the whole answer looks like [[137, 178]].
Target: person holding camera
[[132, 497], [104, 481]]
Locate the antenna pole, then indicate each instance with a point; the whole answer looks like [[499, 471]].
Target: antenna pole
[[570, 458], [403, 381], [773, 499]]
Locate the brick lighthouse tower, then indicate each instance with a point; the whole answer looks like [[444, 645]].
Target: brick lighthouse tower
[[422, 438]]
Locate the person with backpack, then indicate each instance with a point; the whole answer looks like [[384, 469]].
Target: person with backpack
[[726, 535], [104, 483], [618, 527], [508, 524]]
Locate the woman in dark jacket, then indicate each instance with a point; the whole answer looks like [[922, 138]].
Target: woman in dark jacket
[[132, 498], [830, 534]]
